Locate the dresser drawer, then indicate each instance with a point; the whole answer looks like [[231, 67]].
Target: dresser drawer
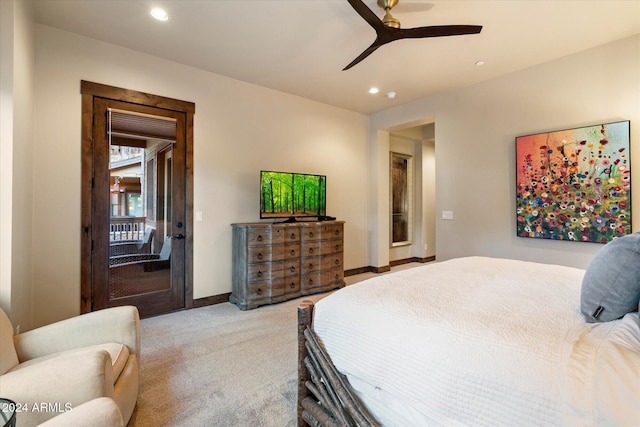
[[262, 253], [292, 267], [258, 236], [331, 261], [310, 264], [334, 246], [337, 276], [322, 263], [265, 272], [333, 232], [310, 281], [311, 249], [321, 281], [264, 236], [291, 250], [331, 247], [292, 285], [321, 247], [258, 292], [311, 233], [291, 235]]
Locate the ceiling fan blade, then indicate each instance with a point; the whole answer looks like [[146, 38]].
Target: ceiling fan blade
[[435, 31], [366, 14], [388, 33], [368, 51]]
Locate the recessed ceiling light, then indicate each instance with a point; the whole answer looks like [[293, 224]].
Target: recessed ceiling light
[[480, 63], [391, 95], [159, 14], [374, 90]]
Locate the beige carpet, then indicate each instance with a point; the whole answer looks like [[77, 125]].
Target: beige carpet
[[220, 366]]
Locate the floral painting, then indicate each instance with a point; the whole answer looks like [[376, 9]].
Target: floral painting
[[574, 184]]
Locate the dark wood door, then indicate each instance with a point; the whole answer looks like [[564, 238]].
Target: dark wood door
[[138, 209]]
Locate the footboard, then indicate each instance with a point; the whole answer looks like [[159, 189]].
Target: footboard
[[325, 397]]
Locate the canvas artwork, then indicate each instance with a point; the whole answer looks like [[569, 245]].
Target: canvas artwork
[[574, 184]]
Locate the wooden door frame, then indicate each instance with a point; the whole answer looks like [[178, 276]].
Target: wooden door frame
[[89, 91]]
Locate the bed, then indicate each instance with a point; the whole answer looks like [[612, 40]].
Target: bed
[[470, 341]]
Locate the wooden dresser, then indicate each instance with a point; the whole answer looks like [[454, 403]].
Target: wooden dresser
[[274, 262]]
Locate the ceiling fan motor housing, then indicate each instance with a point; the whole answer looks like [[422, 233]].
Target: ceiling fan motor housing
[[387, 4], [388, 19]]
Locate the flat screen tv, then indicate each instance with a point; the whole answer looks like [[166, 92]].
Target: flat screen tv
[[287, 195]]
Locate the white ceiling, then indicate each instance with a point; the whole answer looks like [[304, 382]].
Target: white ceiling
[[301, 46]]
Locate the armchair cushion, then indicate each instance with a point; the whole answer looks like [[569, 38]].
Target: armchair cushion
[[118, 353], [68, 379]]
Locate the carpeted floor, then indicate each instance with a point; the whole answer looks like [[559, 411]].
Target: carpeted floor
[[220, 366]]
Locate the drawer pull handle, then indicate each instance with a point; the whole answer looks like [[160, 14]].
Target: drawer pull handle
[[337, 276], [293, 285], [259, 274], [260, 255], [310, 281], [259, 291], [311, 234], [310, 250], [337, 261], [310, 265], [293, 235], [293, 252], [293, 268], [337, 247], [259, 239], [337, 232]]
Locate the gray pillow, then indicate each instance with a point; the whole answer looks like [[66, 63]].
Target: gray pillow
[[611, 284]]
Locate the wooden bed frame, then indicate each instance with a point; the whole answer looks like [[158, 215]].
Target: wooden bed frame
[[325, 397]]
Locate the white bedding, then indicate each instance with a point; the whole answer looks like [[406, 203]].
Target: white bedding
[[482, 341]]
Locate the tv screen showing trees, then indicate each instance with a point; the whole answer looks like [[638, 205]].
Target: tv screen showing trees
[[292, 195]]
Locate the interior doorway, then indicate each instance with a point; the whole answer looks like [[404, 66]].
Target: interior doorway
[[412, 153], [136, 201]]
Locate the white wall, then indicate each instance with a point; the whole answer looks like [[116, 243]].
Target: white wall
[[475, 130], [239, 129], [17, 69], [6, 150]]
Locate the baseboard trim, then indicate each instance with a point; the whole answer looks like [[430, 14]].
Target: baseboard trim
[[386, 268], [355, 271], [218, 299], [212, 300], [412, 259], [368, 269]]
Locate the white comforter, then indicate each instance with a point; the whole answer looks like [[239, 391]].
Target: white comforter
[[482, 341]]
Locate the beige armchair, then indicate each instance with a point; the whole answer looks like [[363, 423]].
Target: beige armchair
[[60, 366]]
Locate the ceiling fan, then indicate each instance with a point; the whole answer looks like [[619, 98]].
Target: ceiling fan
[[388, 29]]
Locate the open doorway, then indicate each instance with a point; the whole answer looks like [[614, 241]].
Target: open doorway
[[412, 198]]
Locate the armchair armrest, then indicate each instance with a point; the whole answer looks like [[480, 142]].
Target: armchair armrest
[[100, 412], [117, 324], [44, 388]]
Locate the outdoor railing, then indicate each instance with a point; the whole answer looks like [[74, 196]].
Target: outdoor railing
[[126, 228]]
